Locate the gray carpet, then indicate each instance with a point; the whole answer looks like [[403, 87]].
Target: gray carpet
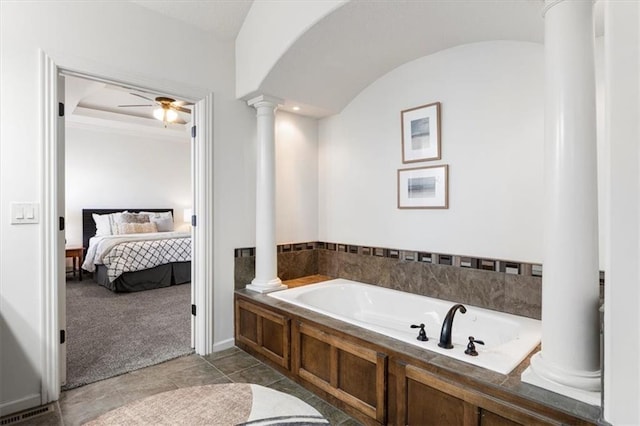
[[109, 334]]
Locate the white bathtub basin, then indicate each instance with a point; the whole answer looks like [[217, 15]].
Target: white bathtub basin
[[508, 338]]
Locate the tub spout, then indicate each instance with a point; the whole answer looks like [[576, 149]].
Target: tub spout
[[447, 325]]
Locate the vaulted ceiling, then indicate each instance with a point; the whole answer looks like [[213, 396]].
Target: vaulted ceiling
[[223, 18], [359, 42], [363, 40]]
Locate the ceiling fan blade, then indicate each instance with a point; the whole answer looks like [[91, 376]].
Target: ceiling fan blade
[[143, 97], [182, 103], [126, 106], [180, 121], [179, 108]]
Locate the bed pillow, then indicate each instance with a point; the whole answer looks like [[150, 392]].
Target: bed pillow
[[137, 228], [159, 214], [106, 224], [164, 224], [115, 219], [133, 218], [103, 224]]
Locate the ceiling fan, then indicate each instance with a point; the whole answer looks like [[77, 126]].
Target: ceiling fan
[[167, 108]]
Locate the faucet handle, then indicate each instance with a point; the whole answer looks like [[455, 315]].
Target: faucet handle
[[471, 347], [422, 335]]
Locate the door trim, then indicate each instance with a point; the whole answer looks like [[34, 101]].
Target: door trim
[[49, 69], [50, 267], [202, 267]]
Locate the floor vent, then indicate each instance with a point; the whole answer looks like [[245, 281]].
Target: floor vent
[[13, 419]]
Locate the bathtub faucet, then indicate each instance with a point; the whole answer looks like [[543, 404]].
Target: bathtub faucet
[[447, 326]]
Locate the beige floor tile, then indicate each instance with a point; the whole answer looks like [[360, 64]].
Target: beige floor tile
[[82, 412], [331, 413], [222, 354], [91, 391], [259, 374], [234, 363], [292, 388], [199, 375], [170, 366]]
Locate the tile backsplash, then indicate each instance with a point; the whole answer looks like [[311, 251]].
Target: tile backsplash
[[502, 285], [291, 264]]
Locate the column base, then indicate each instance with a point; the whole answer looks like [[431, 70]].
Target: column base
[[266, 286], [584, 386]]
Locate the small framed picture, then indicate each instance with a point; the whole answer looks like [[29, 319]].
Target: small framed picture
[[421, 133], [424, 188]]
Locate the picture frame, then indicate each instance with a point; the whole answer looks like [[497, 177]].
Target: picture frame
[[424, 187], [421, 133]]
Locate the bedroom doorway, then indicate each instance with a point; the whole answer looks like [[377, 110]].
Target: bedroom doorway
[[52, 75], [133, 308]]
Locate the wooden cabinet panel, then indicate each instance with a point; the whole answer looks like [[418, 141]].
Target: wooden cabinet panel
[[266, 332], [355, 377], [273, 337], [315, 357], [428, 406], [248, 328], [350, 372], [430, 396], [487, 418]]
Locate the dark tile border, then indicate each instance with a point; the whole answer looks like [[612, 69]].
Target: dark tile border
[[509, 267], [244, 252], [468, 262]]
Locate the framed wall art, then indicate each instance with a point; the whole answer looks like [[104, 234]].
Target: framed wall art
[[421, 133], [424, 188]]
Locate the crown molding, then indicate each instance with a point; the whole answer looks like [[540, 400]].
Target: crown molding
[[91, 119]]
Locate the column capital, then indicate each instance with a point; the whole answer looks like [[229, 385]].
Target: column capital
[[548, 4], [265, 100]]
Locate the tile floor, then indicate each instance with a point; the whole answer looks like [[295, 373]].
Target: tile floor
[[232, 365]]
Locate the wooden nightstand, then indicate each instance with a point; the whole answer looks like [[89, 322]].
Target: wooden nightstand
[[76, 253]]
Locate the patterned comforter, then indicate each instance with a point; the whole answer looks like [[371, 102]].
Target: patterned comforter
[[135, 252]]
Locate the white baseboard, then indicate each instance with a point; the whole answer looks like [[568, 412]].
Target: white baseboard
[[24, 403], [225, 344]]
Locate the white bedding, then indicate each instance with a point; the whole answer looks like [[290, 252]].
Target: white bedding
[[99, 247]]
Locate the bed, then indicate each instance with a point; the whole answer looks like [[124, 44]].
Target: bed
[[135, 262]]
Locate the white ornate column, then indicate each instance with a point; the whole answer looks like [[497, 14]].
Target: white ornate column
[[569, 362], [266, 279]]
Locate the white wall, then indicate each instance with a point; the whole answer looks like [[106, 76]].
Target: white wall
[[119, 37], [111, 169], [296, 178], [622, 289], [492, 139]]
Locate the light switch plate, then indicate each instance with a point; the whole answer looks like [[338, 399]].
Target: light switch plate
[[23, 213]]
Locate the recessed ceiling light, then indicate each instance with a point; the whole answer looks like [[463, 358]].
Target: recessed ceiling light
[[296, 108]]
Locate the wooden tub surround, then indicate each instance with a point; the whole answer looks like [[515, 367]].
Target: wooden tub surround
[[380, 380]]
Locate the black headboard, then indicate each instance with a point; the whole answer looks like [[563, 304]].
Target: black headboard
[[89, 226]]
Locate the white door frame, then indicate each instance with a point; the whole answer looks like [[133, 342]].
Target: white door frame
[[202, 270]]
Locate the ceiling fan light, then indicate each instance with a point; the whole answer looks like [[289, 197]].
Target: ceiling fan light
[[158, 114], [171, 115]]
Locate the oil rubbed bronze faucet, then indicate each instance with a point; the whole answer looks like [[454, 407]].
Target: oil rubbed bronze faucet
[[422, 335], [447, 325]]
